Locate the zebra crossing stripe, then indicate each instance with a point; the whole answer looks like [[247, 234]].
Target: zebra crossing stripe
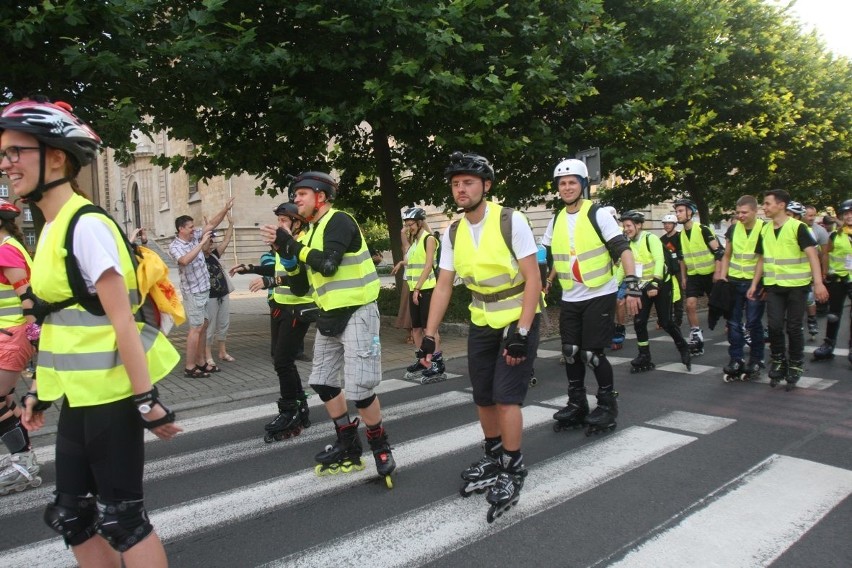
[[240, 450], [748, 522], [420, 536], [47, 453], [217, 510]]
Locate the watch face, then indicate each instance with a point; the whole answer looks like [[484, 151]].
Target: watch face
[[523, 332], [144, 408]]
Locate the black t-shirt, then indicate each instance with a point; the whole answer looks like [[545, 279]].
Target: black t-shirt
[[803, 236], [729, 238], [218, 281]]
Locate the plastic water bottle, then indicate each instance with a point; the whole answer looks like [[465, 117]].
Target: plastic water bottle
[[376, 347]]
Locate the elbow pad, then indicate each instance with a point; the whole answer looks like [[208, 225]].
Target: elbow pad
[[330, 262], [719, 253], [616, 246]]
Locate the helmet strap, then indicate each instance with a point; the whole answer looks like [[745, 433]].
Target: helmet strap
[[38, 193]]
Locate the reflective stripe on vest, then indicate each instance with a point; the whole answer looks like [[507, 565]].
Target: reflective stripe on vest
[[743, 258], [355, 283], [77, 350], [696, 254], [416, 263], [282, 294], [840, 251], [488, 269], [784, 263], [11, 311], [595, 264]]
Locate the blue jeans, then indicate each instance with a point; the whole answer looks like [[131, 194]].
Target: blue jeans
[[754, 323]]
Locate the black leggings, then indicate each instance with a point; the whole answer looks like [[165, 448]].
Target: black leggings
[[287, 336], [101, 450], [836, 298], [785, 308], [662, 302]]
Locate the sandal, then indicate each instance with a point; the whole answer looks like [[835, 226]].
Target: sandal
[[195, 373], [227, 358], [209, 367]]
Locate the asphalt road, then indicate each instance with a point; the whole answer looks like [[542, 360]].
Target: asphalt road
[[698, 473]]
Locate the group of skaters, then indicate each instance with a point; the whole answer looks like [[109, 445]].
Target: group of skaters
[[323, 274]]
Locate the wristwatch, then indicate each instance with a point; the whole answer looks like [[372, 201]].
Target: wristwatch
[[144, 408], [523, 332]]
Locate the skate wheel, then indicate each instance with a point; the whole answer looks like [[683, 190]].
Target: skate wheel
[[389, 481], [463, 490], [268, 438], [557, 427], [533, 382], [490, 516], [36, 482], [346, 468]]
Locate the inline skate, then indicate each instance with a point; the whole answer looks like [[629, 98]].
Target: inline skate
[[751, 372], [618, 337], [385, 464], [824, 352], [293, 417], [813, 327], [21, 471], [416, 369], [575, 412], [602, 418], [642, 363], [533, 380], [482, 474], [506, 491], [734, 371], [436, 373], [696, 342], [777, 370], [685, 356], [344, 455], [794, 373]]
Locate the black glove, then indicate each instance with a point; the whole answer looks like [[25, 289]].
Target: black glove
[[516, 346], [427, 346], [39, 406], [632, 283], [40, 309], [286, 244]]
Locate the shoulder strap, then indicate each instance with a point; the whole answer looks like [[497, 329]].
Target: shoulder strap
[[505, 229], [454, 228], [90, 302], [593, 217]]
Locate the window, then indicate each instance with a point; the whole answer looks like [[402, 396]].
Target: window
[[28, 214], [29, 237], [4, 190], [193, 187]]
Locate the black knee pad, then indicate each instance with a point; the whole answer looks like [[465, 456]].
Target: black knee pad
[[72, 517], [833, 318], [123, 523], [593, 358], [365, 402], [326, 392], [570, 352], [13, 434]]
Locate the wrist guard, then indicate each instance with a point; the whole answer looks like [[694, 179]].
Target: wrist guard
[[286, 244], [40, 309], [39, 406], [151, 398], [268, 282], [427, 346], [632, 284], [516, 346]]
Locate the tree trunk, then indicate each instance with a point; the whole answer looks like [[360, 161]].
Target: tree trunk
[[390, 195], [694, 192]]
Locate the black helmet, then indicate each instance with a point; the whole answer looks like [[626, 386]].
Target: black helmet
[[845, 206], [414, 214], [687, 203], [473, 164], [54, 125], [318, 181], [633, 215], [290, 210]]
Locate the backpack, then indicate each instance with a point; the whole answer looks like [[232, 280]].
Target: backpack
[[160, 305], [437, 258]]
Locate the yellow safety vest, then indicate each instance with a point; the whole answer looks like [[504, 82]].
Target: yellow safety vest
[[11, 311], [78, 356], [697, 255], [841, 251], [743, 258], [282, 294], [355, 283], [490, 271], [417, 263], [595, 264], [644, 256], [784, 263]]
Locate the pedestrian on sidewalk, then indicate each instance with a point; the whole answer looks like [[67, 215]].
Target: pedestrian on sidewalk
[[103, 365], [586, 241], [186, 249], [787, 268], [219, 303], [292, 315], [501, 272], [334, 261]]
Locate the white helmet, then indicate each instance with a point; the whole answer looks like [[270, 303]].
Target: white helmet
[[570, 168], [670, 218]]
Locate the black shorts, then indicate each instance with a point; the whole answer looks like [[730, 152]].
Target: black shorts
[[420, 312], [588, 324], [101, 450], [493, 381], [698, 285]]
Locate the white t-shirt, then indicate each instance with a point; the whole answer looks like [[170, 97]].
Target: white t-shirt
[[94, 248], [609, 230], [523, 242]]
